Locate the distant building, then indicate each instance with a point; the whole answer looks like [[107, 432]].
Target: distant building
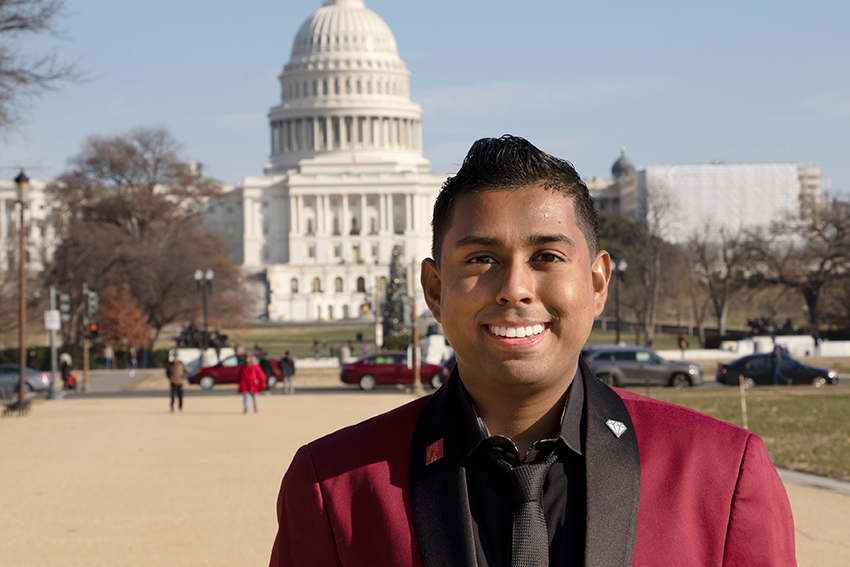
[[731, 196], [346, 179], [39, 243]]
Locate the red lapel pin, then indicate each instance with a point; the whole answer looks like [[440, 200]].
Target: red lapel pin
[[434, 452]]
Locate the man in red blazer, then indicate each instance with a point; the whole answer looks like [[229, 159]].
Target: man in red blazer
[[516, 280]]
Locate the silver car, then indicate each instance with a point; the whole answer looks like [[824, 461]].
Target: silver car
[[634, 365], [36, 381]]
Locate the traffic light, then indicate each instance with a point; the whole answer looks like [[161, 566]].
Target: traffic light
[[64, 306], [91, 304], [93, 330]]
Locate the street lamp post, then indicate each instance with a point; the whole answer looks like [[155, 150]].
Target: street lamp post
[[619, 269], [22, 183], [204, 280]]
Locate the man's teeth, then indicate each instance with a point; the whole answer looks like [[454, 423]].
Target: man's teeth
[[517, 332]]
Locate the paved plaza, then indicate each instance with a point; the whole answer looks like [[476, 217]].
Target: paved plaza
[[97, 480]]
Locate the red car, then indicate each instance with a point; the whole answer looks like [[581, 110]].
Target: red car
[[387, 368], [227, 372]]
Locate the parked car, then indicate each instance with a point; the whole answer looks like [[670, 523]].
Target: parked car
[[388, 367], [634, 365], [227, 372], [36, 381], [758, 369]]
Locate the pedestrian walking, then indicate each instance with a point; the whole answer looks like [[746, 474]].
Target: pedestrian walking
[[251, 382], [777, 358], [683, 344], [287, 368], [176, 371], [133, 361], [108, 356], [65, 363]]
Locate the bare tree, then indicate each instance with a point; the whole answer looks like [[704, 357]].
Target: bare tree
[[22, 77], [806, 254], [658, 205], [721, 265], [128, 212]]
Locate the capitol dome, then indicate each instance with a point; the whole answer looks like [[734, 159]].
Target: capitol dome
[[344, 25], [622, 167], [345, 91]]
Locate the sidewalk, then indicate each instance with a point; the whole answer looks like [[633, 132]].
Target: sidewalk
[[121, 481]]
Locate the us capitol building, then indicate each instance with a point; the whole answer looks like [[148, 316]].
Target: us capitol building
[[346, 181]]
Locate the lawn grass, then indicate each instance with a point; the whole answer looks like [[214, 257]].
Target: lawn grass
[[804, 428]]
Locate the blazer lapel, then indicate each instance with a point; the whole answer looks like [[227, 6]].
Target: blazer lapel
[[438, 482], [613, 476]]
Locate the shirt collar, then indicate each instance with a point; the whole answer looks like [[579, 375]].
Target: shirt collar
[[474, 430]]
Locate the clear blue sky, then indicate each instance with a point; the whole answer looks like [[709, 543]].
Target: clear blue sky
[[675, 82]]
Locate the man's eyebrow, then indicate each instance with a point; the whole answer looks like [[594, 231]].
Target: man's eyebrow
[[541, 239], [533, 240], [473, 240]]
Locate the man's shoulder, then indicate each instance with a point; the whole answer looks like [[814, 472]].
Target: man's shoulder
[[389, 432], [655, 420]]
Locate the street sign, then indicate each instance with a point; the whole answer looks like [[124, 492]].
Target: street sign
[[52, 320]]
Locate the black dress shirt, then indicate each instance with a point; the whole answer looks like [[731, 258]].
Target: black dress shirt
[[491, 496]]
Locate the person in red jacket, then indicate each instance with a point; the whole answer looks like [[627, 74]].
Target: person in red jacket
[[251, 382]]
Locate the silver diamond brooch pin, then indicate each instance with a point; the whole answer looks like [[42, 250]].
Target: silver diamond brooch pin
[[616, 427]]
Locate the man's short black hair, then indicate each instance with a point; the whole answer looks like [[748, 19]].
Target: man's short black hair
[[511, 162]]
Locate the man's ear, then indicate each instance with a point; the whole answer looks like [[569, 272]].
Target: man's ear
[[601, 274], [429, 277]]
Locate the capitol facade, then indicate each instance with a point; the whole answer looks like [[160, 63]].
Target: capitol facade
[[346, 181]]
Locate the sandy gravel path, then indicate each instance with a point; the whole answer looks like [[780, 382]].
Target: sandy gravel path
[[91, 482]]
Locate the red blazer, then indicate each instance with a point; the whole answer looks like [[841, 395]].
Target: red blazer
[[251, 379], [677, 488]]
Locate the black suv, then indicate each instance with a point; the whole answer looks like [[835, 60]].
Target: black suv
[[634, 365]]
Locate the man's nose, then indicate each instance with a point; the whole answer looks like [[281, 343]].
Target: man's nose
[[516, 284]]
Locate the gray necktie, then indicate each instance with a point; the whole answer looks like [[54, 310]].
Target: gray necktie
[[530, 539]]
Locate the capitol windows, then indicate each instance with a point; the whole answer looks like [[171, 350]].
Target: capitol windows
[[336, 226], [361, 285], [375, 251], [338, 285], [266, 228], [373, 225], [310, 226], [337, 250], [317, 285], [382, 286], [398, 225], [325, 87], [311, 251], [336, 86], [315, 87], [265, 252], [293, 285]]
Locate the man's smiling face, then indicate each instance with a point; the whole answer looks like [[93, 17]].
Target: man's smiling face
[[516, 290]]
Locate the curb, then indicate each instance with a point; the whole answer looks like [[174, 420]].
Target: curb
[[815, 481]]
